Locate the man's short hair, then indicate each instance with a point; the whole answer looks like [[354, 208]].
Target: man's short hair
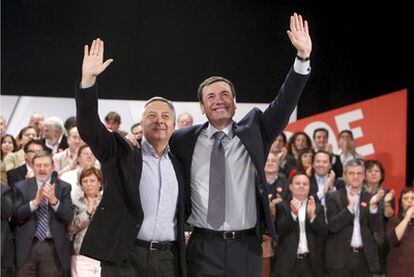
[[322, 152], [321, 130], [135, 125], [113, 116], [161, 99], [33, 141], [56, 123], [212, 80], [353, 163], [346, 131], [42, 154]]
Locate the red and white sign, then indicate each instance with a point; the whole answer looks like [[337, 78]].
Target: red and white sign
[[379, 126]]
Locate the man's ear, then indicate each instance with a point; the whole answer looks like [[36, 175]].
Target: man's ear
[[202, 108]]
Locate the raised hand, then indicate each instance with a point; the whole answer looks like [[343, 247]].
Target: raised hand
[[376, 198], [409, 214], [39, 196], [49, 193], [389, 196], [299, 35], [310, 209], [93, 63], [295, 206], [329, 183], [351, 200]]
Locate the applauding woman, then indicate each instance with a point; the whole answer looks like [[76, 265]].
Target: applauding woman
[[90, 180], [400, 234]]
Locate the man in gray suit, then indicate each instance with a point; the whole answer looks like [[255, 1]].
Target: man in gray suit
[[43, 212]]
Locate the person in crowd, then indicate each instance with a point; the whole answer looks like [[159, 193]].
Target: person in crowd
[[8, 145], [374, 178], [320, 141], [54, 135], [352, 220], [301, 226], [323, 180], [7, 243], [84, 159], [90, 181], [277, 190], [347, 148], [43, 213], [184, 120], [136, 131], [37, 122], [297, 142], [304, 162], [69, 123], [113, 123], [65, 159], [17, 158], [142, 208], [25, 171], [400, 235], [287, 162], [224, 162]]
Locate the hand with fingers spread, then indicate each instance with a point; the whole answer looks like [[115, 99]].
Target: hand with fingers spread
[[93, 62], [299, 35], [330, 182]]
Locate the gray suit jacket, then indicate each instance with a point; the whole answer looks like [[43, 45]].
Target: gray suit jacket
[[26, 221]]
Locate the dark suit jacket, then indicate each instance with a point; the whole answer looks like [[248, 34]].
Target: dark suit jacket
[[337, 166], [257, 130], [118, 218], [288, 231], [341, 224], [7, 210], [26, 221], [280, 186], [338, 184], [16, 174]]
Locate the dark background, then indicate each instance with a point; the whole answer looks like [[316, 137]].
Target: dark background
[[169, 47]]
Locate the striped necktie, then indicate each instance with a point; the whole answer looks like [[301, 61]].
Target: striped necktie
[[42, 220]]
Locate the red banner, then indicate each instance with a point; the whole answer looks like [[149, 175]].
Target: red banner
[[379, 126]]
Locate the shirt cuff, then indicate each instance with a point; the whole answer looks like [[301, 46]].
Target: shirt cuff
[[301, 67], [373, 210], [32, 206], [295, 217], [56, 206], [350, 210], [82, 86], [320, 195]]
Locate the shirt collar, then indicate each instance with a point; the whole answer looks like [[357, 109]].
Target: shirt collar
[[39, 183], [148, 149], [358, 192], [228, 130]]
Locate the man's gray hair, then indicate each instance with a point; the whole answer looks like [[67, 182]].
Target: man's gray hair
[[353, 163], [56, 123], [160, 99]]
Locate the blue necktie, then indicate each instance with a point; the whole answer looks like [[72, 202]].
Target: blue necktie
[[42, 220], [217, 189]]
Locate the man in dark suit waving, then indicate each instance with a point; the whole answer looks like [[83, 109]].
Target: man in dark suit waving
[[138, 227], [43, 211], [224, 163]]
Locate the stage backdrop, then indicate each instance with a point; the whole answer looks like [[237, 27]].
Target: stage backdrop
[[379, 126]]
